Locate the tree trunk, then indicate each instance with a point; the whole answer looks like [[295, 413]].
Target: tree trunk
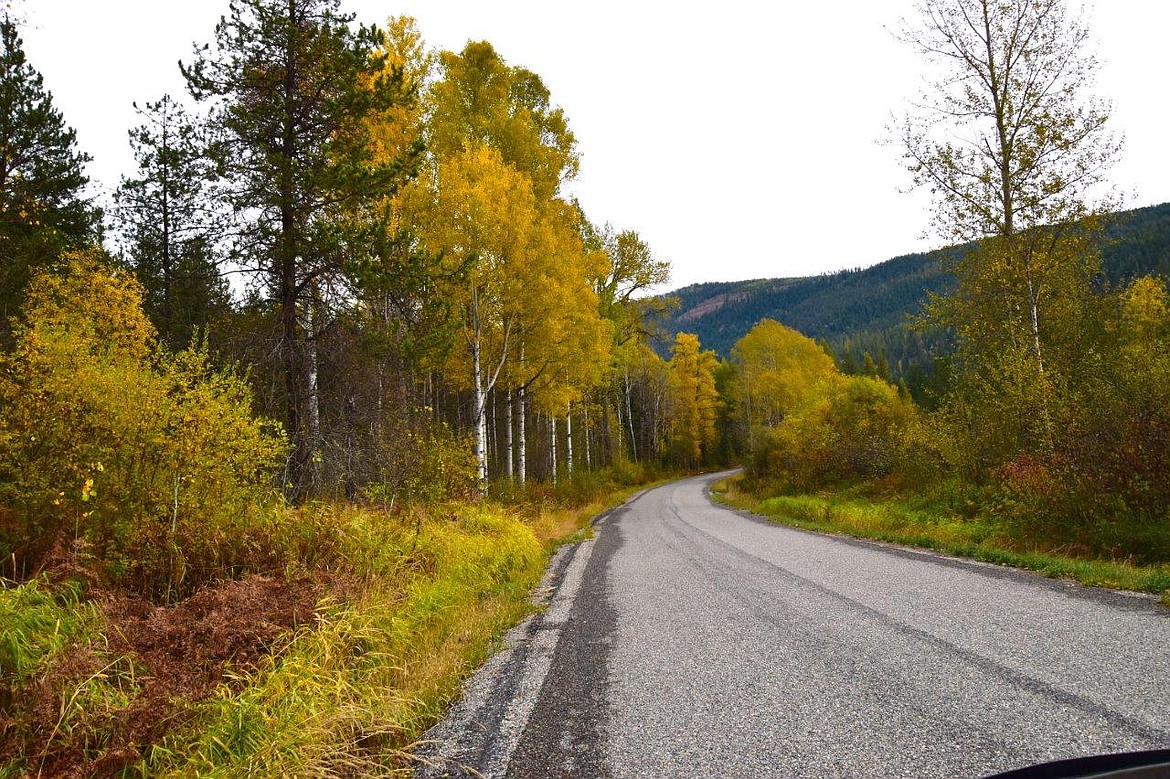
[[510, 455], [480, 418], [569, 441], [552, 446], [493, 438], [630, 419], [522, 434], [588, 457], [312, 395]]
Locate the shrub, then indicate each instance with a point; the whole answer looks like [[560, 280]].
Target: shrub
[[861, 428], [154, 459]]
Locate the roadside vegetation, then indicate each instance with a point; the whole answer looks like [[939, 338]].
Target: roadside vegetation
[[1049, 444], [268, 528], [167, 609], [933, 521]]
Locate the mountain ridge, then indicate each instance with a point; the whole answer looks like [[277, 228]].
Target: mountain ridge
[[868, 310]]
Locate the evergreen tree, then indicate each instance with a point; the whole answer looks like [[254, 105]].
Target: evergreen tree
[[291, 85], [171, 227], [42, 208]]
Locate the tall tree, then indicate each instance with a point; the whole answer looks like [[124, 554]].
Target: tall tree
[[43, 208], [631, 272], [171, 223], [780, 369], [694, 402], [292, 83], [529, 316], [1013, 149], [480, 214]]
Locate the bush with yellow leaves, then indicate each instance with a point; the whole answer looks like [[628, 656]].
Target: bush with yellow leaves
[[154, 460]]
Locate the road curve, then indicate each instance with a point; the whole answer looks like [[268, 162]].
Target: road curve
[[698, 641]]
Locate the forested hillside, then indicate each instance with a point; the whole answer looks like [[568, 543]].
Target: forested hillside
[[867, 310]]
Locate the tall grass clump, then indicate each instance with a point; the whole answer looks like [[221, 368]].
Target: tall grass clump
[[41, 630], [346, 695], [35, 624]]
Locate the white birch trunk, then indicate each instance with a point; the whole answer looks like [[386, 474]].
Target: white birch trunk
[[630, 420], [480, 417], [522, 435], [508, 442], [569, 441]]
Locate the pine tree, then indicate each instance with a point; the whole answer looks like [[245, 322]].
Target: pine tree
[[292, 84], [171, 227], [42, 207]]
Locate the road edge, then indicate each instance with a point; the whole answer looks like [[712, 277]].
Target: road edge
[[482, 729]]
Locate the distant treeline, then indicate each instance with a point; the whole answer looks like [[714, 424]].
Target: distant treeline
[[871, 311]]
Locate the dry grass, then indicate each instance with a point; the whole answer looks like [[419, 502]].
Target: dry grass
[[410, 605]]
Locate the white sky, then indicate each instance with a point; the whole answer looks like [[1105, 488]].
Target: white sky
[[740, 138]]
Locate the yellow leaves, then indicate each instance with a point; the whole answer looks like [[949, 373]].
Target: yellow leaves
[[694, 400], [133, 436], [780, 370], [103, 314], [1144, 309]]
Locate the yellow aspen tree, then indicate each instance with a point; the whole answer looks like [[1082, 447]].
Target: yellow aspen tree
[[479, 212], [779, 370], [694, 401]]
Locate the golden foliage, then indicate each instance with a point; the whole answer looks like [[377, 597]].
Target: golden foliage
[[154, 459]]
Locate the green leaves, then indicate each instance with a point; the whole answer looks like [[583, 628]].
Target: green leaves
[[42, 206]]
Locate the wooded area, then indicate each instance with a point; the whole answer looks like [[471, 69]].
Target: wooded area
[[360, 238], [343, 343]]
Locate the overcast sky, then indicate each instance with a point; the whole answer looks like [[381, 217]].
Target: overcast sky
[[740, 139]]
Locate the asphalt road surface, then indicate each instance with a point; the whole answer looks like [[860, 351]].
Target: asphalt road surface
[[689, 640]]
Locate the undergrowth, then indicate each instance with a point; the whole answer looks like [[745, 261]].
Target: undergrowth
[[418, 600], [347, 695], [932, 522]]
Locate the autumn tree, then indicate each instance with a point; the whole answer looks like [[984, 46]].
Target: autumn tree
[[481, 216], [171, 223], [500, 151], [290, 85], [627, 271], [631, 271], [694, 402], [1014, 150], [43, 208], [780, 370]]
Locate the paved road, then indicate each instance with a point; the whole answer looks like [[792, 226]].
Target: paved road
[[689, 640]]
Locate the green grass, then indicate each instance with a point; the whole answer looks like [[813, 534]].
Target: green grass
[[922, 522], [428, 594], [37, 626], [37, 623]]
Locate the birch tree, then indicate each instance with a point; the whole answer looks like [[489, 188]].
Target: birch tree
[[530, 318], [479, 213], [1014, 148]]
